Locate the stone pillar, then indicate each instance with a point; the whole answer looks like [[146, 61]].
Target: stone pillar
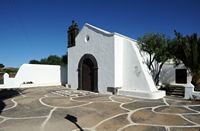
[[189, 89]]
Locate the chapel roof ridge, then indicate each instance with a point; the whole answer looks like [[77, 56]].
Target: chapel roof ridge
[[108, 33], [99, 29]]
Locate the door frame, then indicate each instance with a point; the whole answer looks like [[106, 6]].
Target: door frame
[[94, 69]]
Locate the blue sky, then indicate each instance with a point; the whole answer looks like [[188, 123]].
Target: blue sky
[[34, 29]]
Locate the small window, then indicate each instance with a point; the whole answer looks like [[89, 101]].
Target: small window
[[181, 76], [87, 38]]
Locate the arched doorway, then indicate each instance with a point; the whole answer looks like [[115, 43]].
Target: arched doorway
[[88, 73]]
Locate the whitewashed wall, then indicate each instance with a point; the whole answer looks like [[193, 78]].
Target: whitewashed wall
[[101, 46], [40, 75], [136, 79]]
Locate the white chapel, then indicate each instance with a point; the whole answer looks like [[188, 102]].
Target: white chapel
[[105, 62]]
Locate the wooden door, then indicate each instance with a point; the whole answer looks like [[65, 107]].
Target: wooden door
[[87, 76]]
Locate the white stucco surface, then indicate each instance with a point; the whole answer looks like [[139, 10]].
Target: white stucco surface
[[190, 93], [168, 74], [119, 63], [101, 46], [136, 79], [39, 75]]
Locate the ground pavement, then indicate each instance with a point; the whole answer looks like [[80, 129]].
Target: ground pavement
[[61, 109]]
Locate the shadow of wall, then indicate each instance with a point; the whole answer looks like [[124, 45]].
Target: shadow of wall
[[7, 94], [63, 74]]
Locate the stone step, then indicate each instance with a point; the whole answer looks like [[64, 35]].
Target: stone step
[[176, 91]]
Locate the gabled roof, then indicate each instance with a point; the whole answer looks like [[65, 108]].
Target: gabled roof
[[106, 33]]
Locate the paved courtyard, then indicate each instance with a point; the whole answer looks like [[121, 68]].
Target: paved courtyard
[[61, 109]]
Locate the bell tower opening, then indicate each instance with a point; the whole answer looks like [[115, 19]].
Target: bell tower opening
[[73, 31]]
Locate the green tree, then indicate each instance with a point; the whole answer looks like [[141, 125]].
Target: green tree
[[155, 45], [64, 59], [2, 66], [186, 50], [43, 61], [51, 60], [34, 62], [54, 60]]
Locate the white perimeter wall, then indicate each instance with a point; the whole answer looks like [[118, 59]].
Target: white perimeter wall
[[101, 46], [40, 75]]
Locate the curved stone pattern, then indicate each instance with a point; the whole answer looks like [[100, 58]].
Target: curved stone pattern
[[144, 128], [87, 116], [146, 116], [93, 98], [181, 102], [28, 107], [194, 117], [61, 102], [22, 125], [118, 121], [122, 99], [173, 109], [141, 104], [34, 92], [196, 108], [184, 129], [1, 119], [58, 108], [9, 104]]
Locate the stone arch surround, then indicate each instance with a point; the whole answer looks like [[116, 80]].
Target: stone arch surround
[[94, 68]]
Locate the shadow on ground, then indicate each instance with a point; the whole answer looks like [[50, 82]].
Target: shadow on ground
[[7, 94], [74, 120]]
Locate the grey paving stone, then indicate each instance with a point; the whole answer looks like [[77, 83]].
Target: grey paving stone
[[22, 125], [146, 116], [194, 117], [8, 103], [144, 128], [173, 109], [141, 104], [185, 128], [122, 99], [61, 102], [27, 107], [197, 108], [1, 119], [86, 116], [93, 98], [182, 102], [114, 123]]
